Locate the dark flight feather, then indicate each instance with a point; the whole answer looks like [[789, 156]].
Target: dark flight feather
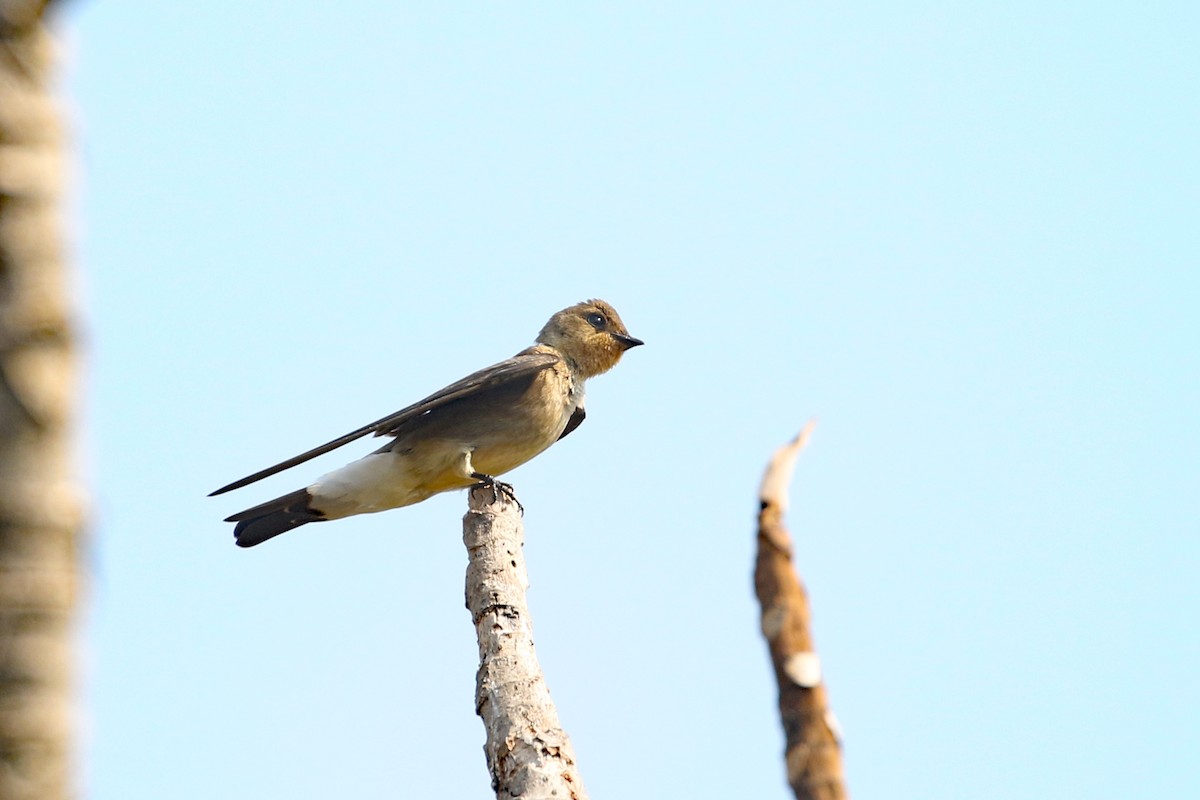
[[574, 422], [525, 365], [265, 521]]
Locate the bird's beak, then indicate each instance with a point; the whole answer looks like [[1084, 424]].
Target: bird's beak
[[626, 340]]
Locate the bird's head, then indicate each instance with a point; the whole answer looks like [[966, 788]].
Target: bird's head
[[590, 335]]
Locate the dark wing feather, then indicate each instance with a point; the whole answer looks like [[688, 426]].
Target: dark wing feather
[[522, 365], [574, 422]]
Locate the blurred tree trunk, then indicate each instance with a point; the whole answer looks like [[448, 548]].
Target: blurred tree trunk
[[40, 506]]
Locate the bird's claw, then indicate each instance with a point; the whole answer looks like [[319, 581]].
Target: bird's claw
[[498, 488]]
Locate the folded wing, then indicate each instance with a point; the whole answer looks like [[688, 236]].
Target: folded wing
[[520, 368]]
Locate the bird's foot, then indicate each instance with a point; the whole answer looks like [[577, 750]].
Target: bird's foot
[[498, 488]]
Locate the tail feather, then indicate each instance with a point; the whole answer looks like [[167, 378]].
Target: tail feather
[[256, 525]]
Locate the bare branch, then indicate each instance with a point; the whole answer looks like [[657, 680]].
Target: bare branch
[[528, 754], [813, 749]]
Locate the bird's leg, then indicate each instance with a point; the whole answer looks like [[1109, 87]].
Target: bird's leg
[[498, 488]]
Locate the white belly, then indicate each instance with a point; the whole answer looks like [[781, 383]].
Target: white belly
[[375, 483]]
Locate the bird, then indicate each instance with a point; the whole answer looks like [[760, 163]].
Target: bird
[[465, 434]]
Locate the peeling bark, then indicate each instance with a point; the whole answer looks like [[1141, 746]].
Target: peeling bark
[[528, 753], [813, 748]]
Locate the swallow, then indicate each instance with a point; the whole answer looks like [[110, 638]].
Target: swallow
[[468, 433]]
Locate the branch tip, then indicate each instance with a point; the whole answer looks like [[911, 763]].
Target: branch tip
[[778, 476]]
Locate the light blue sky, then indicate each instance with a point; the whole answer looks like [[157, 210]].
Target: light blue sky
[[964, 236]]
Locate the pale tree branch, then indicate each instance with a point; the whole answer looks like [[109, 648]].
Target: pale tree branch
[[528, 754], [813, 748]]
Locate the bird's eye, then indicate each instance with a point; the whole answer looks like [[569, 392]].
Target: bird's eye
[[596, 320]]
